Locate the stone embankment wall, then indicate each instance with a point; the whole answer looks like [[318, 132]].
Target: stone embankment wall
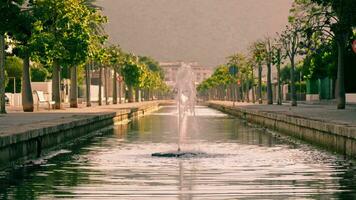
[[334, 137], [24, 145]]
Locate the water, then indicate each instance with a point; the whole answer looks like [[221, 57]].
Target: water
[[186, 98], [237, 162]]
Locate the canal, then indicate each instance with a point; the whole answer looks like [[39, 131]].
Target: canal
[[237, 161]]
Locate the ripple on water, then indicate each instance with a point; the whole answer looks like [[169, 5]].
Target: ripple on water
[[235, 161]]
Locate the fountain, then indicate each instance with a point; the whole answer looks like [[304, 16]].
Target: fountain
[[186, 100]]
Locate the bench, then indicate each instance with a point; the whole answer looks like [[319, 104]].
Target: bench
[[41, 99]]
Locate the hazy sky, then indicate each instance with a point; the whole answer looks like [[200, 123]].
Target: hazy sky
[[206, 31]]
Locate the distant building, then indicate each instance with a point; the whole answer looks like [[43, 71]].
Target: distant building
[[171, 68]]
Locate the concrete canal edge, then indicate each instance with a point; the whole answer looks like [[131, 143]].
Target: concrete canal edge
[[29, 144], [334, 137]]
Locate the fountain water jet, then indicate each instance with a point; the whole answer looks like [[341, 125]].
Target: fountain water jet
[[186, 100]]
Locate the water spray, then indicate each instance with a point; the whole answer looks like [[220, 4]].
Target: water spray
[[186, 99]]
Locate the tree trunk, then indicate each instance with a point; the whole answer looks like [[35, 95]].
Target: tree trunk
[[87, 83], [279, 98], [237, 89], [340, 80], [242, 91], [146, 97], [259, 84], [247, 91], [130, 94], [2, 74], [120, 92], [114, 87], [56, 85], [292, 85], [233, 93], [100, 85], [269, 85], [27, 98], [138, 95], [73, 87], [106, 86], [253, 86]]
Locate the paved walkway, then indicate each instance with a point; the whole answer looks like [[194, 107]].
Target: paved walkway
[[16, 120], [325, 113]]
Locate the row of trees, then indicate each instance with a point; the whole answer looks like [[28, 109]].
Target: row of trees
[[314, 28], [66, 34]]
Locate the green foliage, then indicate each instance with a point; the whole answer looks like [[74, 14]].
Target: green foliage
[[325, 23], [152, 65], [258, 52], [142, 72], [9, 15], [6, 79], [62, 32], [321, 63], [221, 76], [301, 87], [299, 70], [132, 71], [80, 73], [97, 35], [39, 74], [345, 10], [13, 68]]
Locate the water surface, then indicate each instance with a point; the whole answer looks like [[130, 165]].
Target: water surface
[[240, 161]]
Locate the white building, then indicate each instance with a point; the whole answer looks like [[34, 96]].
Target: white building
[[171, 68]]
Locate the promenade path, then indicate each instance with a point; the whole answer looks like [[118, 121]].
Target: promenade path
[[16, 121], [324, 113]]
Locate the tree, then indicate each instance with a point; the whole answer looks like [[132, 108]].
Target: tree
[[2, 74], [61, 37], [240, 61], [96, 59], [152, 65], [97, 40], [102, 59], [251, 65], [9, 12], [73, 95], [269, 61], [290, 40], [245, 77], [322, 62], [20, 34], [219, 79], [23, 49], [132, 72], [115, 59], [258, 55], [233, 63], [278, 56], [334, 19]]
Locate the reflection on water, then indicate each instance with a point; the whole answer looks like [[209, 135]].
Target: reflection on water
[[241, 162]]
